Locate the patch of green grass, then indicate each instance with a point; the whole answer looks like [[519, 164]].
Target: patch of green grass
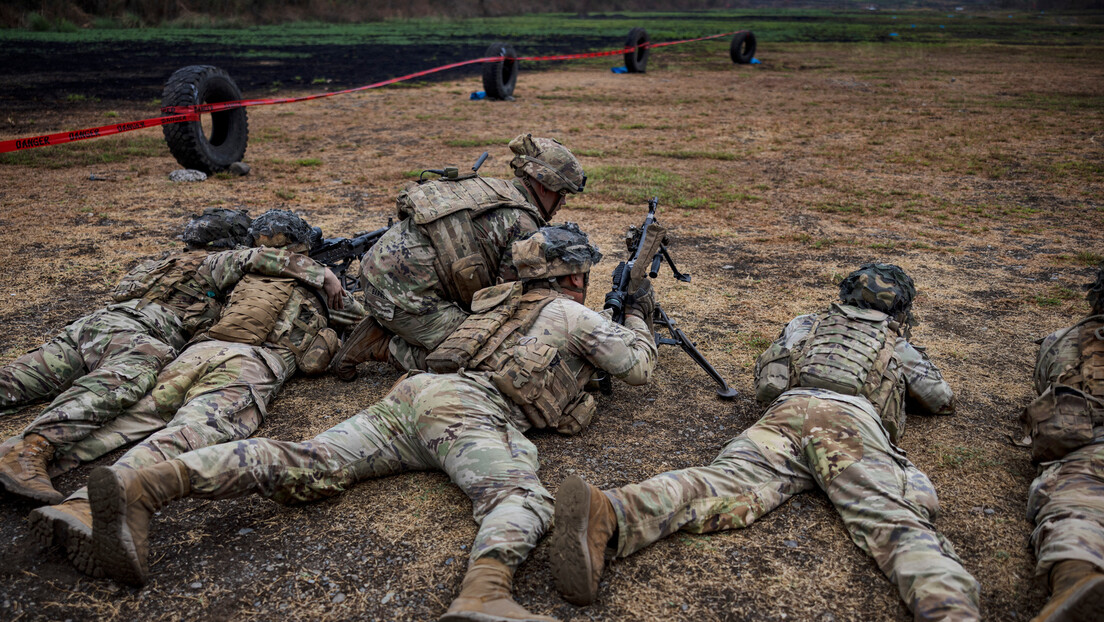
[[111, 114], [589, 153], [309, 162], [86, 152], [476, 142], [285, 194], [1088, 258], [838, 207], [1056, 296], [965, 458], [633, 126]]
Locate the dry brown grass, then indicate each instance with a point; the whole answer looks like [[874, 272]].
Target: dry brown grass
[[978, 169]]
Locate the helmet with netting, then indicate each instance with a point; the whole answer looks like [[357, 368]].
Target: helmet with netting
[[218, 227], [555, 251], [881, 286], [549, 162], [1096, 292], [280, 228]]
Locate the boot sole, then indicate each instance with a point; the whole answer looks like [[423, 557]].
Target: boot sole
[[17, 488], [1083, 605], [112, 542], [52, 527], [569, 552], [475, 616]]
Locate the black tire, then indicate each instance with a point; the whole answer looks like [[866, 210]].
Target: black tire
[[742, 49], [500, 78], [637, 60], [229, 129]]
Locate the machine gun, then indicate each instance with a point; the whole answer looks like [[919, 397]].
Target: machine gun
[[338, 253], [647, 246], [452, 173]]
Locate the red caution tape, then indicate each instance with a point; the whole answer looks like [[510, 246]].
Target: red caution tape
[[183, 114]]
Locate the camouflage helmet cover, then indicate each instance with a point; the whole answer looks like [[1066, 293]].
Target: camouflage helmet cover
[[549, 162], [555, 251], [1096, 291], [280, 228], [218, 227], [881, 286]]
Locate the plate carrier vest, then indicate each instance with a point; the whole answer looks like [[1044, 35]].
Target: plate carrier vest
[[532, 374], [281, 312], [443, 210], [171, 282], [851, 351], [1063, 417]]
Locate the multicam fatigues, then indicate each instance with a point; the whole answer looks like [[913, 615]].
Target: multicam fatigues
[[459, 423], [1066, 500], [214, 392], [403, 291], [818, 438], [106, 361]]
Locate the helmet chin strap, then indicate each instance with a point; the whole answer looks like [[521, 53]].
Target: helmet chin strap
[[540, 199]]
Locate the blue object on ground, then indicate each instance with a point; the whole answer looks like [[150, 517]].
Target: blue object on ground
[[912, 25], [755, 61], [893, 34], [479, 95], [619, 69], [942, 26]]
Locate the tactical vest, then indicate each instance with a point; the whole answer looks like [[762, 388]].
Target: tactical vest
[[532, 374], [851, 351], [1062, 418], [172, 283], [443, 210], [281, 312]]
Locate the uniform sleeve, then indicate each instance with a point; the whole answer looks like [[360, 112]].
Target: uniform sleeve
[[924, 381], [626, 352], [504, 227], [225, 269], [772, 368], [351, 315]]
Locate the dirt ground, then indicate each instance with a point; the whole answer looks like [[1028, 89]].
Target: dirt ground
[[976, 168]]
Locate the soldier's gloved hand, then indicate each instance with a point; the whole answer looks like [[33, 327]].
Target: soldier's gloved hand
[[642, 303]]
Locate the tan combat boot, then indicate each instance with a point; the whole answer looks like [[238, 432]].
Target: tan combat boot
[[585, 524], [23, 470], [485, 596], [68, 525], [367, 343], [123, 500], [1077, 593]]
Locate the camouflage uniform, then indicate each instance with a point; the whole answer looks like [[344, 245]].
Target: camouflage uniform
[[459, 423], [410, 300], [214, 392], [103, 363], [819, 438], [1066, 500]]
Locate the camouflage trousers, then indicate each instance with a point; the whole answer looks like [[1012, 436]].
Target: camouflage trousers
[[455, 423], [97, 367], [214, 392], [418, 335], [1066, 501], [803, 442]]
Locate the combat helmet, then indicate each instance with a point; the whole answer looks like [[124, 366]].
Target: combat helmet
[[218, 227], [1096, 292], [281, 228], [555, 251], [880, 286], [549, 162]]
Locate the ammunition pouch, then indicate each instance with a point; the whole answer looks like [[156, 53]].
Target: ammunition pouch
[[535, 378], [316, 356], [1059, 421], [772, 373]]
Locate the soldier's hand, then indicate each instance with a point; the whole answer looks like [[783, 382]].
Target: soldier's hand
[[642, 302], [335, 293]]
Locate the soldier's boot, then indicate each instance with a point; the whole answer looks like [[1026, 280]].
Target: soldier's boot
[[23, 470], [584, 526], [1077, 593], [68, 525], [485, 596], [367, 343], [123, 500]]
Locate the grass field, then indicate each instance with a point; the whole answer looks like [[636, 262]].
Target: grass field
[[974, 162]]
